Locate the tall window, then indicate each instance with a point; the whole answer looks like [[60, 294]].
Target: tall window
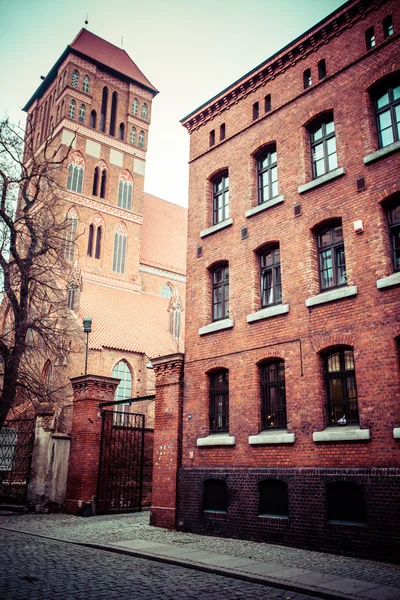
[[141, 139], [387, 26], [274, 499], [341, 391], [75, 173], [120, 242], [323, 147], [98, 242], [71, 111], [144, 111], [370, 38], [75, 78], [93, 116], [267, 103], [86, 84], [345, 502], [122, 131], [307, 80], [273, 396], [96, 177], [124, 391], [387, 102], [82, 110], [47, 375], [219, 401], [133, 136], [125, 189], [71, 228], [114, 100], [90, 240], [394, 233], [220, 199], [103, 185], [321, 69], [103, 114], [267, 176], [270, 277], [332, 263], [73, 296], [135, 107], [256, 110], [220, 280]]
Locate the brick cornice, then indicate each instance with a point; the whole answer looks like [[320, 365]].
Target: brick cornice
[[104, 207]]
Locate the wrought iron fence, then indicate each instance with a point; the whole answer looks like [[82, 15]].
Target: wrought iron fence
[[16, 444]]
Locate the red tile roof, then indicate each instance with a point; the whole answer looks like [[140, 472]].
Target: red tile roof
[[164, 235], [127, 321], [111, 56]]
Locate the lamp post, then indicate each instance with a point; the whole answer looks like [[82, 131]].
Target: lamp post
[[87, 328]]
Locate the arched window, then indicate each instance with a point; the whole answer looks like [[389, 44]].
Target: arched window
[[331, 257], [71, 228], [86, 84], [93, 116], [104, 103], [95, 235], [122, 131], [113, 118], [125, 189], [166, 291], [273, 395], [90, 240], [219, 401], [133, 136], [220, 185], [65, 79], [96, 178], [135, 107], [98, 243], [215, 495], [345, 502], [103, 183], [73, 296], [122, 371], [340, 386], [71, 112], [141, 139], [387, 107], [120, 243], [75, 78], [270, 276], [267, 175], [47, 375], [393, 213], [274, 499], [81, 117], [75, 173], [144, 111]]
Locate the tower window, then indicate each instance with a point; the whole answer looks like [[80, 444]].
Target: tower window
[[321, 69], [135, 107], [144, 111], [387, 26], [98, 243], [256, 110], [370, 41], [133, 136], [141, 139], [71, 111], [93, 119], [90, 240], [119, 256], [103, 183], [104, 103], [86, 84], [125, 189], [212, 137], [113, 118], [81, 117], [307, 79], [268, 104], [222, 132], [75, 79], [122, 132]]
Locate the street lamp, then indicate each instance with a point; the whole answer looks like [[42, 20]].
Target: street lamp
[[87, 328]]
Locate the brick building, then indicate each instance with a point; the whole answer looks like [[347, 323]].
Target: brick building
[[291, 411]]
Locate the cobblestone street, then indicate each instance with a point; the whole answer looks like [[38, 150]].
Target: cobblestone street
[[33, 568]]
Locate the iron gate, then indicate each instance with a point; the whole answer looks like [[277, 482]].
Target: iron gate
[[16, 444], [119, 486]]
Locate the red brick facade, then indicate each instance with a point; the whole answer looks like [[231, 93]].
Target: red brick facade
[[358, 314]]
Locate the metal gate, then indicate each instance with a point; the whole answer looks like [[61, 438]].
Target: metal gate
[[119, 486], [16, 444]]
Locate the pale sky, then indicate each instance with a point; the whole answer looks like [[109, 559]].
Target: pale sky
[[189, 50]]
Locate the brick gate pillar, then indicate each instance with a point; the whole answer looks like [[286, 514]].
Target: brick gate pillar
[[89, 392], [167, 438]]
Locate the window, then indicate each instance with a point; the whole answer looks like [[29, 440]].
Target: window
[[51, 126], [90, 240], [394, 232], [323, 147], [270, 277], [267, 103], [122, 131], [166, 291], [307, 79], [387, 26], [321, 69], [222, 132], [58, 114], [124, 391], [370, 38], [86, 84], [95, 190], [93, 116], [71, 228], [387, 102], [332, 263], [256, 110], [340, 383], [75, 79], [81, 117], [119, 256], [141, 139], [144, 111], [219, 402], [274, 499], [62, 109], [215, 495], [47, 375], [114, 101], [104, 103], [71, 112], [103, 183], [273, 396], [212, 137], [75, 173], [267, 176], [133, 136], [345, 502], [65, 79], [98, 243], [125, 189], [135, 107], [220, 280], [220, 199], [73, 296]]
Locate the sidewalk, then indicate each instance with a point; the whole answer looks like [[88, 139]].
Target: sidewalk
[[324, 575]]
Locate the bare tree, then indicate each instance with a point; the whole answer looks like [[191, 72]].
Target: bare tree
[[35, 239]]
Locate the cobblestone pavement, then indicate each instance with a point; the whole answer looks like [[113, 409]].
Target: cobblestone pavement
[[115, 528], [34, 568]]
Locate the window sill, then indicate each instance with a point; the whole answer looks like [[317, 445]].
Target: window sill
[[381, 152], [217, 227], [336, 294], [267, 313], [272, 437], [396, 433], [321, 180], [264, 206], [217, 439], [385, 282], [216, 326], [346, 433]]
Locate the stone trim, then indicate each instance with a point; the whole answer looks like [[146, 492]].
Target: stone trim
[[264, 206], [162, 273], [272, 437], [396, 433], [216, 326], [381, 152], [336, 294], [384, 282], [321, 180], [216, 227], [347, 433], [217, 439], [103, 207], [267, 313]]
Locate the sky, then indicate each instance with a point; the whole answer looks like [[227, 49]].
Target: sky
[[189, 50]]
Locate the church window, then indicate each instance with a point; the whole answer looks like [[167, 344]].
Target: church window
[[75, 79], [75, 173], [86, 84], [104, 103], [93, 116], [71, 228], [81, 117], [113, 118], [135, 107], [103, 183], [71, 112], [98, 243], [144, 111], [47, 375], [120, 242], [90, 240], [96, 176], [133, 136], [125, 190], [122, 131], [141, 139], [73, 296]]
